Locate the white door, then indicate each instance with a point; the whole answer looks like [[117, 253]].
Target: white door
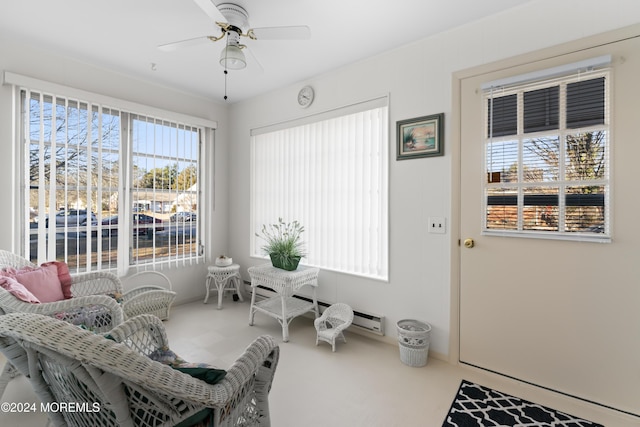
[[560, 314]]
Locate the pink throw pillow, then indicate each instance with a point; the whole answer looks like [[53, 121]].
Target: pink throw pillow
[[63, 275], [42, 282], [8, 282]]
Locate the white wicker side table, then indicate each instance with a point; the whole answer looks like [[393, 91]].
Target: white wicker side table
[[221, 277], [283, 307]]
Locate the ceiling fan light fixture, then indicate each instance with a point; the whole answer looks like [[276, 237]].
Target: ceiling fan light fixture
[[232, 58]]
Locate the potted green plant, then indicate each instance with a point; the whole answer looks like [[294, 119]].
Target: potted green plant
[[283, 243]]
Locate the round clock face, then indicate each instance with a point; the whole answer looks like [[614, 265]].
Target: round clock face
[[305, 96]]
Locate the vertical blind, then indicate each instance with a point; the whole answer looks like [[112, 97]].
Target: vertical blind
[[330, 173], [101, 185], [71, 150]]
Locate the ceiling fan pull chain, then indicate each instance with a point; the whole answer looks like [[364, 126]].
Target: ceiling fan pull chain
[[225, 70], [225, 84]]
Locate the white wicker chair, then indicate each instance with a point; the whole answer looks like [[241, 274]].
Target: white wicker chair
[[154, 295], [331, 325], [91, 304], [87, 289], [65, 363], [92, 289]]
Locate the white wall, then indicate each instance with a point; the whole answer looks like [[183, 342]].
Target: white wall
[[22, 59], [418, 79]]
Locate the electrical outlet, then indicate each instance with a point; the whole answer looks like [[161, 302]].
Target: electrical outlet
[[437, 225]]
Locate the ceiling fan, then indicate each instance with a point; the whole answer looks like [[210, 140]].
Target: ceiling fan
[[233, 21]]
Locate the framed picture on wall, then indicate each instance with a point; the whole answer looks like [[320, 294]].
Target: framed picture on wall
[[420, 137]]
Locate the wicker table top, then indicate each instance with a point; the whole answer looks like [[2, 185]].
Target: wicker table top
[[282, 281]]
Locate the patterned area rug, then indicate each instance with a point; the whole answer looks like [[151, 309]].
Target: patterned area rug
[[476, 405]]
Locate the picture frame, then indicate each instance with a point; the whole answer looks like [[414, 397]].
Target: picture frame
[[420, 137]]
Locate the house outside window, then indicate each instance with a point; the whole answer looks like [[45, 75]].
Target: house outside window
[[547, 158], [107, 188]]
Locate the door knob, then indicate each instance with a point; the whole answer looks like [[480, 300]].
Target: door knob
[[469, 243]]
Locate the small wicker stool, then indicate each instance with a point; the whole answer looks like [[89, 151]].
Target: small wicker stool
[[334, 320], [221, 276]]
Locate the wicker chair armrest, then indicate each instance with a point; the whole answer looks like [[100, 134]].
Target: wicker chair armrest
[[144, 334], [321, 319], [260, 358], [103, 303], [98, 282], [148, 300], [149, 278], [141, 290], [328, 322]]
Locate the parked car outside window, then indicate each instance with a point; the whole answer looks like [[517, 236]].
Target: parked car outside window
[[140, 224], [73, 217], [183, 217]]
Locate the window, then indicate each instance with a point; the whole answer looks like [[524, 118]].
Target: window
[[547, 158], [329, 172], [165, 187], [107, 188]]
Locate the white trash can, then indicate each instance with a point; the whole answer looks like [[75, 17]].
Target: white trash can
[[413, 338]]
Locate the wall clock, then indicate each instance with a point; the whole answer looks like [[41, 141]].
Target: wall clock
[[305, 96]]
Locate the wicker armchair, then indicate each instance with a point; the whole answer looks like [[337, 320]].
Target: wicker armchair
[[87, 289], [331, 325], [92, 289], [65, 363], [90, 305]]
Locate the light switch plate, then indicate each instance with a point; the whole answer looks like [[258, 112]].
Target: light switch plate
[[437, 224]]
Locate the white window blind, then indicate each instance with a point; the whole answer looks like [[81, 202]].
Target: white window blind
[[71, 150], [105, 188], [547, 157], [330, 174]]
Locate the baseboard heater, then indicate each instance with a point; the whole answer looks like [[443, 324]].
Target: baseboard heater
[[365, 321]]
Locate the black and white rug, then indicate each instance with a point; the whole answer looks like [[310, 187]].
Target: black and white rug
[[476, 405]]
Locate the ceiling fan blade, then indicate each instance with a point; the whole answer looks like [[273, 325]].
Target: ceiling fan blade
[[300, 32], [169, 47], [253, 60], [211, 10]]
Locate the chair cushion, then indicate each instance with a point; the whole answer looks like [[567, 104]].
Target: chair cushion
[[202, 371], [42, 282]]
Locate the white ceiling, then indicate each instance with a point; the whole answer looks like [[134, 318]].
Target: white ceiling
[[123, 35]]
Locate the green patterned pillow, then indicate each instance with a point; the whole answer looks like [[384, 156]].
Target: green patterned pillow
[[202, 371]]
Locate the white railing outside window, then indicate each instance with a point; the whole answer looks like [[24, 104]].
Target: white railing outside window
[[107, 188]]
